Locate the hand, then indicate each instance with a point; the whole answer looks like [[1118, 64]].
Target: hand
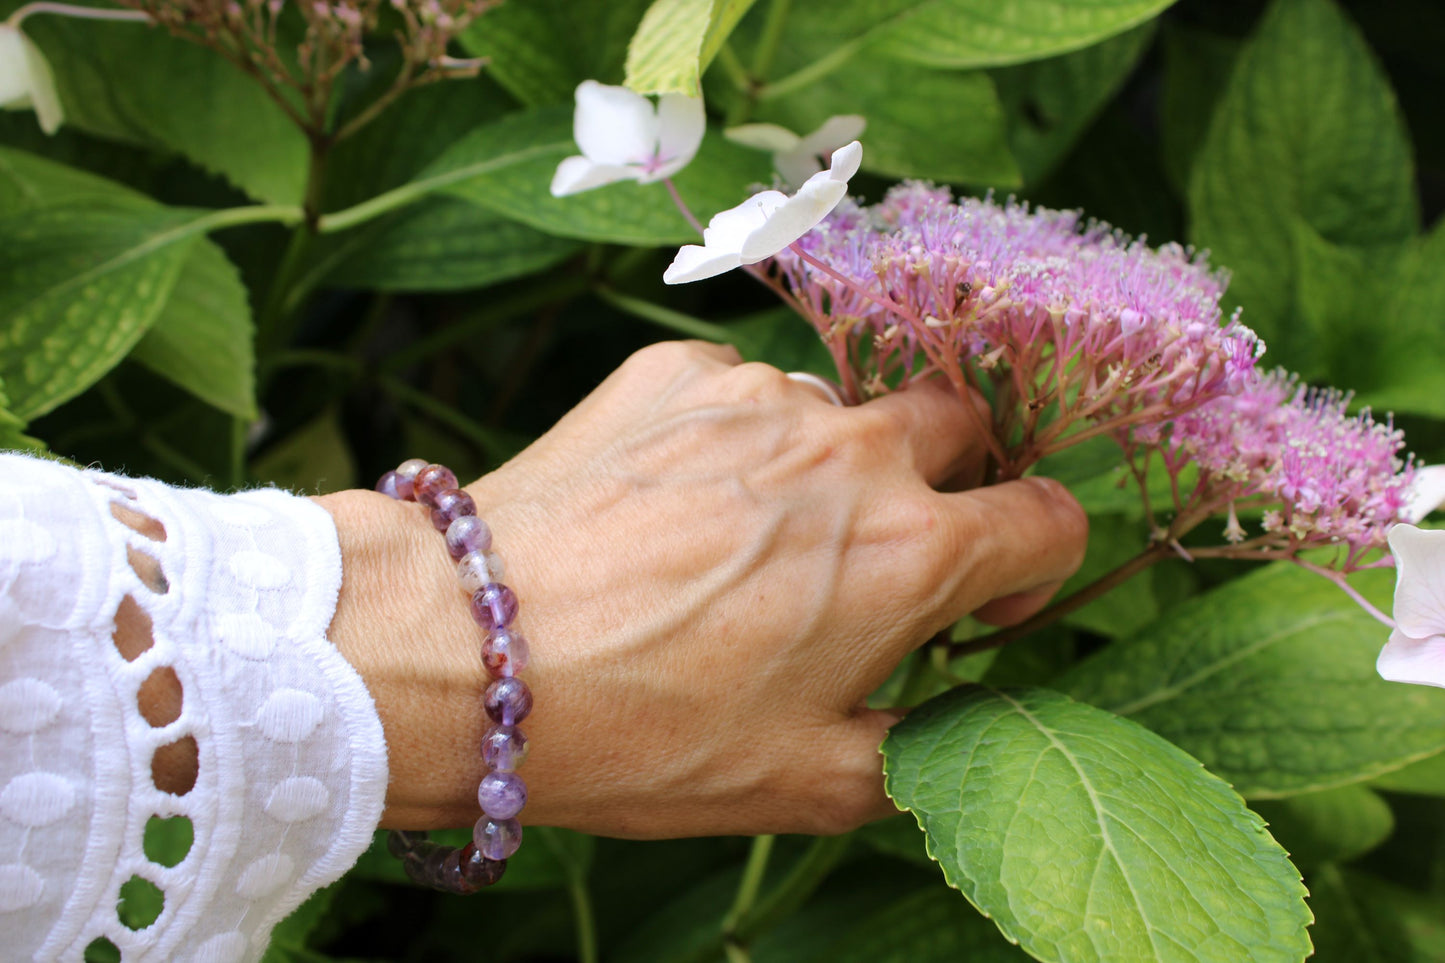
[[715, 568]]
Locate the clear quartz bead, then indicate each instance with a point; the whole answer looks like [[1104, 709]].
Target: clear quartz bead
[[504, 748], [497, 838], [505, 653], [478, 569]]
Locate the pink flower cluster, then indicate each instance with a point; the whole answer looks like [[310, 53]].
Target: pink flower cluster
[[1078, 329], [1323, 477]]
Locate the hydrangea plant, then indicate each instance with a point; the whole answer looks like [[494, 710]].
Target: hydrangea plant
[[243, 242]]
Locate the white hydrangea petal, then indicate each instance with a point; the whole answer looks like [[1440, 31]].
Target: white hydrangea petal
[[613, 125], [834, 133], [577, 174], [1427, 492], [797, 217], [696, 263], [681, 122], [14, 69], [729, 230], [768, 137], [806, 158], [43, 95], [1419, 580], [1421, 661], [846, 161]]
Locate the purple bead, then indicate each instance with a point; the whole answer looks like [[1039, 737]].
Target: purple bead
[[502, 794], [451, 504], [494, 606], [497, 838], [467, 534], [505, 653], [478, 870], [508, 701], [394, 485], [410, 468], [432, 481], [504, 748]]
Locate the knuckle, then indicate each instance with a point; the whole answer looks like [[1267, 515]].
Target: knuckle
[[1070, 521], [756, 381]]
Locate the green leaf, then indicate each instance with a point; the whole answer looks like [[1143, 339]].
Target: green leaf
[[1051, 102], [926, 926], [1087, 837], [1362, 919], [665, 55], [202, 340], [507, 167], [313, 458], [1333, 826], [1423, 778], [1197, 64], [289, 940], [905, 137], [12, 436], [442, 244], [960, 33], [1307, 129], [1270, 681], [541, 50], [79, 285], [1113, 540], [121, 81]]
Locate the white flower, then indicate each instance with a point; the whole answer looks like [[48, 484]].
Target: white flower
[[765, 223], [25, 79], [1427, 493], [1416, 650], [798, 158], [625, 138]]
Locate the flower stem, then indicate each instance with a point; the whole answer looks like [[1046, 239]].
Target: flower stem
[[1154, 554], [71, 10], [682, 205], [666, 317], [751, 883], [792, 892], [771, 36]]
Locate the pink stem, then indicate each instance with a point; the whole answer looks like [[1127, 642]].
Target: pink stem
[[1348, 589], [682, 206]]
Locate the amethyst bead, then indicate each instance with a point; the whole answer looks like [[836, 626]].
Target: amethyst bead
[[505, 653], [508, 701], [467, 534], [494, 606], [478, 870], [502, 794], [451, 504], [394, 485], [410, 468], [497, 838], [477, 569], [504, 748], [432, 481]]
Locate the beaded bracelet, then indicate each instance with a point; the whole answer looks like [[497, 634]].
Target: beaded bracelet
[[507, 701]]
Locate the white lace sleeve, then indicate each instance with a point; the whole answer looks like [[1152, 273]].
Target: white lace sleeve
[[292, 766]]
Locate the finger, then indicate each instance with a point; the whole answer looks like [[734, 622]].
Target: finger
[[821, 387], [1019, 537], [945, 439], [1013, 609]]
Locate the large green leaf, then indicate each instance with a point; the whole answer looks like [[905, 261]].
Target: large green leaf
[[1333, 826], [1086, 837], [125, 81], [507, 167], [907, 136], [441, 244], [925, 926], [1362, 919], [202, 338], [1113, 540], [1197, 65], [675, 42], [962, 33], [1051, 102], [541, 50], [1425, 778], [1307, 129], [12, 429], [79, 285], [1270, 681]]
